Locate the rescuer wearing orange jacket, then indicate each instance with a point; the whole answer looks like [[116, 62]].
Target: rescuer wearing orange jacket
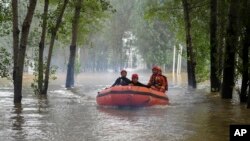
[[165, 78], [156, 80]]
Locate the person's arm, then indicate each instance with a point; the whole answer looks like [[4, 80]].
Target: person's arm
[[163, 84], [166, 84], [131, 84], [128, 81], [116, 82], [142, 85], [150, 81]]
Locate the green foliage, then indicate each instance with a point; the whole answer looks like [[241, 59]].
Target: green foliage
[[106, 6], [153, 45], [113, 32], [5, 29], [171, 13], [154, 39], [34, 38], [5, 10], [33, 63], [53, 13], [78, 63], [5, 17], [200, 32], [5, 63], [93, 14]]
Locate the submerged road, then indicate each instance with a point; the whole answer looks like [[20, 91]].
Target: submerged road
[[73, 115]]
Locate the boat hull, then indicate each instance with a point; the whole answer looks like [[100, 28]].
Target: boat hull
[[131, 96]]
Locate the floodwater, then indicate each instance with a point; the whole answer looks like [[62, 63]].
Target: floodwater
[[73, 115]]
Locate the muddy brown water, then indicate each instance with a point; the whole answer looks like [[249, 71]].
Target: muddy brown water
[[73, 115]]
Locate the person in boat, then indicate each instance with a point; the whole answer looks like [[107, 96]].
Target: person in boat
[[123, 80], [157, 81], [135, 81], [165, 79]]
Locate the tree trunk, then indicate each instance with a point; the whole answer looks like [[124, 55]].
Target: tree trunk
[[245, 50], [222, 20], [71, 64], [231, 43], [18, 72], [17, 96], [51, 45], [214, 78], [248, 99], [71, 67], [190, 53], [41, 46]]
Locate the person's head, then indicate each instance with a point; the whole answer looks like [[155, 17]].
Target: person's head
[[155, 69], [135, 78], [123, 73], [160, 71]]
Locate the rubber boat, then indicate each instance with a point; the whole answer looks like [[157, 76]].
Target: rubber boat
[[131, 96]]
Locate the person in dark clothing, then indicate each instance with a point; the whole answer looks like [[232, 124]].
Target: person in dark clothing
[[123, 80], [135, 81]]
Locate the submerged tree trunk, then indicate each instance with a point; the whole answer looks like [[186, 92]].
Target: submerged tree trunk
[[231, 43], [41, 47], [17, 96], [222, 20], [51, 45], [214, 78], [18, 74], [71, 64], [245, 63], [190, 53], [245, 50], [248, 99]]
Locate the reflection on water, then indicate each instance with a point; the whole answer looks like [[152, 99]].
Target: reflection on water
[[17, 122], [72, 115]]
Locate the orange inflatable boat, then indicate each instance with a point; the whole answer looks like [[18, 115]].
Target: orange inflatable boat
[[131, 96]]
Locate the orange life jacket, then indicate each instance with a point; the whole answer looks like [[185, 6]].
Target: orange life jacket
[[158, 82]]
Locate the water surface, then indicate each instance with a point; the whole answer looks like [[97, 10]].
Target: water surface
[[73, 115]]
